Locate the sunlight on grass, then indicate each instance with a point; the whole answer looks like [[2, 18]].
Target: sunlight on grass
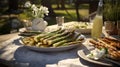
[[84, 12], [68, 17], [73, 17], [72, 6]]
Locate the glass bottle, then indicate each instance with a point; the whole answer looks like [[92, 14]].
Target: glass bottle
[[98, 22]]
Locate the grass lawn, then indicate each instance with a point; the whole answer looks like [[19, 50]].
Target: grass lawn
[[70, 13], [68, 18]]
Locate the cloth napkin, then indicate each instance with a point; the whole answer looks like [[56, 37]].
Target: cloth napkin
[[67, 63]]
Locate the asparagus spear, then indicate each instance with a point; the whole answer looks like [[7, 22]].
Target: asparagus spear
[[65, 41], [37, 38], [41, 39], [58, 39], [61, 42], [70, 43], [48, 36], [55, 36], [61, 34]]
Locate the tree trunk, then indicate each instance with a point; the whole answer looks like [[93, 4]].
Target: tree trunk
[[47, 3], [77, 11], [62, 4], [93, 6], [58, 4]]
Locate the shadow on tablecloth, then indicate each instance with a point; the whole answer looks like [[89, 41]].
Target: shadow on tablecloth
[[40, 59]]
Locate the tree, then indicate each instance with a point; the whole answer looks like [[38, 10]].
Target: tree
[[47, 3], [92, 6], [60, 4]]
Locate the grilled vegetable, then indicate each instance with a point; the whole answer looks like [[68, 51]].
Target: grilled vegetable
[[65, 41], [52, 34], [70, 43], [61, 42], [47, 36], [38, 44], [28, 41], [55, 36], [37, 38], [50, 42]]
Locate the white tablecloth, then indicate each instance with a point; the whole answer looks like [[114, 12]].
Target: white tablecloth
[[12, 51], [19, 56]]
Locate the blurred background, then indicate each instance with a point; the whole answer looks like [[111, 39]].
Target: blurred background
[[73, 10], [12, 11]]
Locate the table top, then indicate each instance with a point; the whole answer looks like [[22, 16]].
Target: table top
[[12, 53]]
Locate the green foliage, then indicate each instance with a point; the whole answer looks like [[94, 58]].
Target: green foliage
[[24, 16], [111, 10], [27, 13], [118, 9], [67, 18]]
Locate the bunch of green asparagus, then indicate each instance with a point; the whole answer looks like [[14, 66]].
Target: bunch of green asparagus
[[60, 37]]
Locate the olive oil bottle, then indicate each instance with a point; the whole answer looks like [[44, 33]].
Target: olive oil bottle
[[98, 22]]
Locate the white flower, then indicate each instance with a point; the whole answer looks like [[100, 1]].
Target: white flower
[[37, 11], [27, 4], [45, 10], [34, 8]]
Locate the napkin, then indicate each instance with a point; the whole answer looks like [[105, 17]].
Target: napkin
[[67, 63]]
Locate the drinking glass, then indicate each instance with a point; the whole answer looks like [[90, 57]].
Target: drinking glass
[[27, 24], [60, 21], [109, 27]]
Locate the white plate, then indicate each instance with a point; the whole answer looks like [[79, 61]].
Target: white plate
[[51, 49], [84, 52]]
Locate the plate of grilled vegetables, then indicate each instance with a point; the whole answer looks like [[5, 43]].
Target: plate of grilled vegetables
[[106, 51], [57, 40]]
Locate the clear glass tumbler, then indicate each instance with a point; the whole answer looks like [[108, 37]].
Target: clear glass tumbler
[[60, 21], [27, 24]]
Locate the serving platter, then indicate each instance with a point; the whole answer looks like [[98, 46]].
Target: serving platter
[[82, 54], [29, 33], [50, 49], [59, 40], [111, 44]]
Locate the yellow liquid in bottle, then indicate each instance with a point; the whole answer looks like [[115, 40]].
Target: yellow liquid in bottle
[[97, 27]]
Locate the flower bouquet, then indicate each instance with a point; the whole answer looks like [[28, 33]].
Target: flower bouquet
[[38, 13]]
